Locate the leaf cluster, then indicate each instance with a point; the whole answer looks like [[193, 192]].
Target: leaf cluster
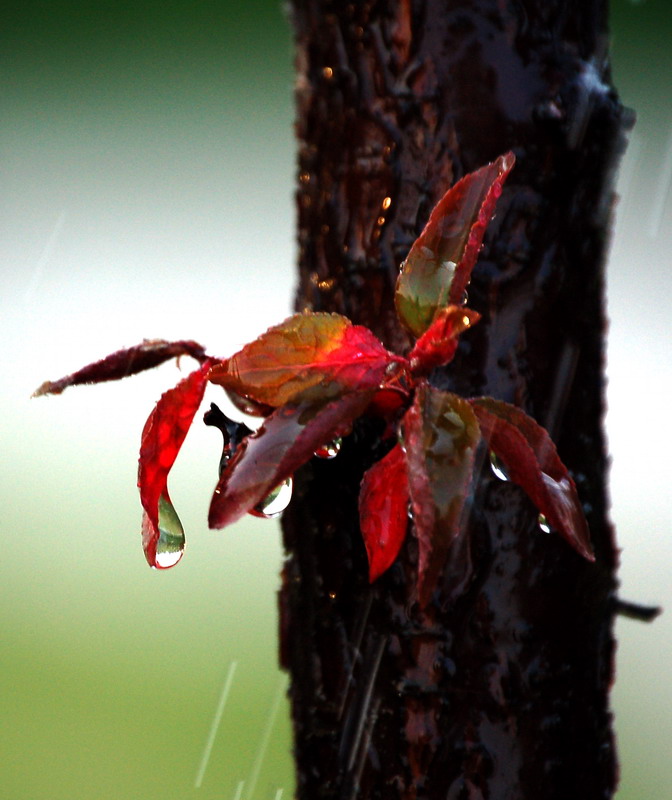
[[314, 374]]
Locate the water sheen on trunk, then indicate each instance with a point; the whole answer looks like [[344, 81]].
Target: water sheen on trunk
[[499, 689]]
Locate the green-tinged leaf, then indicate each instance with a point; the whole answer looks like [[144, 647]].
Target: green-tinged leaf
[[439, 264], [440, 434], [308, 356], [531, 461]]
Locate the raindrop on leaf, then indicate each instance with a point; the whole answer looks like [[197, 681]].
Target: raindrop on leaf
[[275, 502], [170, 546], [544, 527], [498, 468], [329, 450]]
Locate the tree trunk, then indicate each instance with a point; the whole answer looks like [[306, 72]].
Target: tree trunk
[[499, 689]]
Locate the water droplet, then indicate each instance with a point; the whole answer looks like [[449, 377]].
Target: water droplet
[[465, 298], [544, 527], [498, 469], [387, 202], [170, 546], [275, 502], [328, 73], [329, 450]]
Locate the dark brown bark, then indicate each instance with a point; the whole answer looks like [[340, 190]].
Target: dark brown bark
[[500, 689]]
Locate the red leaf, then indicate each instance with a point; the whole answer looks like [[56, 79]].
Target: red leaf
[[438, 343], [531, 461], [129, 361], [441, 434], [162, 438], [439, 264], [308, 356], [285, 441], [383, 510]]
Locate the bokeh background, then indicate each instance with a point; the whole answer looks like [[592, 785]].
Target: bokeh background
[[147, 168]]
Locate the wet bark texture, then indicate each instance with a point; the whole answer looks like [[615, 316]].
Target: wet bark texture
[[499, 690]]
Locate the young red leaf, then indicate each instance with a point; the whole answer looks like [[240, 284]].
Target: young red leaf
[[531, 461], [439, 264], [129, 361], [308, 356], [383, 510], [162, 438], [438, 343], [285, 441], [440, 434]]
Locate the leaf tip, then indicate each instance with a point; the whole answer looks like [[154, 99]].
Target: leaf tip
[[507, 161], [44, 389]]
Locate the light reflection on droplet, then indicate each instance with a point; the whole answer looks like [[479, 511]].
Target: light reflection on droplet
[[498, 469], [328, 73], [387, 202], [168, 559], [544, 527], [275, 502], [329, 450]]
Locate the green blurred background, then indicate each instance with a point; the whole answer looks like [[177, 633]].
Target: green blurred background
[[147, 164]]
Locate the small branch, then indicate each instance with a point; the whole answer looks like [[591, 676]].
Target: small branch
[[636, 610]]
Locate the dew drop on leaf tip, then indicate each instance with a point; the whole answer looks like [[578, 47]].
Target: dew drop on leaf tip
[[171, 541], [544, 527], [329, 450], [275, 502], [498, 469]]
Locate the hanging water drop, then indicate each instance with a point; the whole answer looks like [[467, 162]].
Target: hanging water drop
[[170, 545], [498, 468], [544, 527], [275, 502], [329, 450]]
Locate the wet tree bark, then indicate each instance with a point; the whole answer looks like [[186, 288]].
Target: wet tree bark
[[500, 688]]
